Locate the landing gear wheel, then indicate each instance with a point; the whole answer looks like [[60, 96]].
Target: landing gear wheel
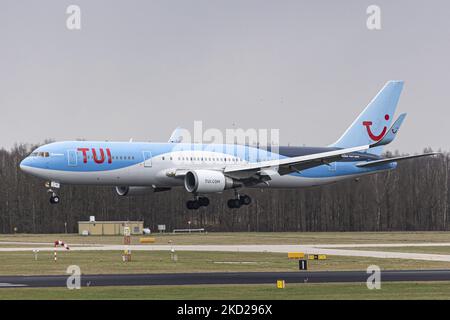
[[234, 203], [204, 201], [245, 200], [193, 204], [54, 199]]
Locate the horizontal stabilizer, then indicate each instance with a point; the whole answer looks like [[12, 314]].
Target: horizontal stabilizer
[[396, 159]]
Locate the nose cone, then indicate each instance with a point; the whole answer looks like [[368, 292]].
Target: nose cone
[[25, 165]]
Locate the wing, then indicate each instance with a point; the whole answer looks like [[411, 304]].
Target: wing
[[396, 159], [296, 164], [261, 171], [288, 165]]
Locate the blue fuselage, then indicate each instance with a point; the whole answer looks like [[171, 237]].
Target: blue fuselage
[[154, 164]]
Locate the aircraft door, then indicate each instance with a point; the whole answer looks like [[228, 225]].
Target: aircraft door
[[147, 158], [72, 158]]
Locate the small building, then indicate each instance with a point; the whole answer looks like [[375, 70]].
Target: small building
[[109, 228]]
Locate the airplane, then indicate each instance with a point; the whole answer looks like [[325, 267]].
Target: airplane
[[135, 168]]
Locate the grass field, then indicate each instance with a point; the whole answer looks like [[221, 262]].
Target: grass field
[[109, 262], [322, 291], [247, 238], [100, 262]]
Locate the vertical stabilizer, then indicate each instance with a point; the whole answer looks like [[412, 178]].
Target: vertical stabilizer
[[372, 124]]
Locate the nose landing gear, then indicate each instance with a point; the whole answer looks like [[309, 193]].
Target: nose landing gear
[[54, 198]]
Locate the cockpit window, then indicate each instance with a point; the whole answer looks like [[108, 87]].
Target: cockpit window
[[40, 154]]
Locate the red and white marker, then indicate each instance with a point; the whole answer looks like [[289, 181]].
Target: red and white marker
[[59, 243]]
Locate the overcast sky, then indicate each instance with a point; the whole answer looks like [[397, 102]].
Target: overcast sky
[[140, 68]]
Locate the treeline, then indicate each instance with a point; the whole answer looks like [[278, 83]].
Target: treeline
[[415, 196]]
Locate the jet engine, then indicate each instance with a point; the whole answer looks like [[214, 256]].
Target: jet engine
[[207, 181]]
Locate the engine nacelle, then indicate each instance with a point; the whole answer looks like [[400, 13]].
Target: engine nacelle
[[133, 191], [207, 181]]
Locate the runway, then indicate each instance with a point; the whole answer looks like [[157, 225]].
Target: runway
[[329, 249], [223, 278]]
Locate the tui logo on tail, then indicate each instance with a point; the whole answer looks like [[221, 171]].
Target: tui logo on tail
[[372, 136]]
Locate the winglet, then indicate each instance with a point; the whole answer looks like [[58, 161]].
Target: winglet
[[391, 133]]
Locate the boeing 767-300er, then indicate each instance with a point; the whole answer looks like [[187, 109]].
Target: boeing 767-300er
[[137, 168]]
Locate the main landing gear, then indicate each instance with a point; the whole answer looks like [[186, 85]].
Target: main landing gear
[[239, 200], [54, 198], [197, 203]]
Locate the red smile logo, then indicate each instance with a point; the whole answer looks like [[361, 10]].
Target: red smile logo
[[372, 136]]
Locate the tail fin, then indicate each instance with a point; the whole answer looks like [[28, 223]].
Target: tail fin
[[373, 123]]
